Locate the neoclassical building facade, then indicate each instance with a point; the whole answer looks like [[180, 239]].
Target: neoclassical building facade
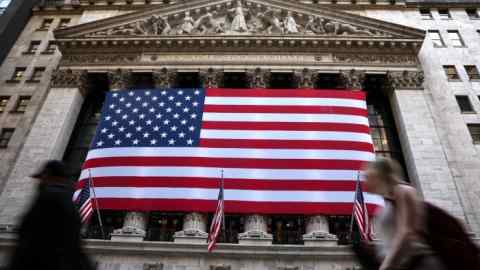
[[416, 61]]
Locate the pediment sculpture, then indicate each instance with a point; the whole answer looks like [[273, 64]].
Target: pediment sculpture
[[238, 18]]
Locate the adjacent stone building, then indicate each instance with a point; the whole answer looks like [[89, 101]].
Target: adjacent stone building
[[417, 61]]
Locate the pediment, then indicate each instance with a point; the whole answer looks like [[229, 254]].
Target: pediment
[[217, 18]]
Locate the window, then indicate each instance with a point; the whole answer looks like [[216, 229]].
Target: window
[[37, 74], [472, 13], [451, 72], [474, 130], [444, 14], [51, 47], [64, 23], [464, 103], [3, 103], [436, 38], [22, 104], [46, 23], [18, 74], [287, 229], [455, 38], [472, 72], [426, 14], [33, 47], [5, 136]]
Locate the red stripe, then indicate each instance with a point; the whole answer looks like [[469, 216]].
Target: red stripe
[[290, 144], [289, 93], [248, 184], [284, 109], [326, 164], [295, 126], [240, 207]]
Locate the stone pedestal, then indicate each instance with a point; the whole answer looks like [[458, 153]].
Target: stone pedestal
[[194, 229], [134, 227], [255, 231], [317, 232]]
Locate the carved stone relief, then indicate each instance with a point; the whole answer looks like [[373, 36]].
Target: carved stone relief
[[375, 59], [258, 78], [405, 79], [67, 78], [99, 59], [238, 17], [305, 78]]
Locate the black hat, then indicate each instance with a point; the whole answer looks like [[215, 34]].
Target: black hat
[[52, 168]]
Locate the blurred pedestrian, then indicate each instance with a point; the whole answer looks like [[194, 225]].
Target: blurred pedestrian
[[49, 233], [402, 223]]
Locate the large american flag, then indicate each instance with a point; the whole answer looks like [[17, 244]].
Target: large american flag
[[283, 151]]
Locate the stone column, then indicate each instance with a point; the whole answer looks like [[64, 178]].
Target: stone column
[[211, 78], [352, 79], [135, 223], [255, 231], [47, 139], [164, 78], [427, 164], [318, 233], [194, 229]]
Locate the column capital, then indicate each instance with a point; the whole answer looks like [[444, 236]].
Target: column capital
[[352, 79], [211, 78], [120, 79], [305, 78], [164, 78], [67, 78], [258, 78], [405, 79]]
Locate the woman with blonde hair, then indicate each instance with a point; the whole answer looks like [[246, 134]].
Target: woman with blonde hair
[[402, 222]]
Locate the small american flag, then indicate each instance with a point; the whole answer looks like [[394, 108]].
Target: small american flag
[[84, 203], [218, 220], [360, 213]]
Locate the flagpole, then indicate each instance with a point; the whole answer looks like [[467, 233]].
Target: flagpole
[[223, 221], [90, 179], [353, 205]]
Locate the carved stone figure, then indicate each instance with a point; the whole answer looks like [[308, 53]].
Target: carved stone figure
[[258, 78], [208, 24], [120, 79], [353, 79], [337, 28], [290, 25], [188, 24], [164, 78], [212, 78], [67, 78], [239, 23], [305, 79], [270, 22], [405, 79]]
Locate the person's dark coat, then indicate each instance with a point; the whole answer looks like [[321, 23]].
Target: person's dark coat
[[49, 234]]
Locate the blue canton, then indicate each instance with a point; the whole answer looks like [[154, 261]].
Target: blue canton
[[150, 118]]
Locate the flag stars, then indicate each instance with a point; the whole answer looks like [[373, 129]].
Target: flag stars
[[128, 105], [135, 142], [173, 128], [118, 142], [144, 104], [141, 116], [147, 93], [154, 98], [118, 111], [138, 98], [131, 122], [121, 129], [114, 123], [111, 135], [197, 92], [156, 128], [171, 141], [189, 141], [163, 135], [186, 110], [130, 93], [135, 110], [128, 135], [195, 104], [166, 122], [104, 130], [171, 98], [188, 98], [180, 92], [158, 116], [176, 116], [164, 93], [139, 128], [100, 143], [148, 122], [183, 122], [125, 116], [153, 142], [115, 95], [107, 118], [168, 110], [152, 110], [178, 104], [146, 135], [161, 104], [111, 106], [191, 128], [122, 99], [181, 135], [193, 116]]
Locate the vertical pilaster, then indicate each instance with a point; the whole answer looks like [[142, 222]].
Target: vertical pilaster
[[426, 160], [48, 139], [135, 223]]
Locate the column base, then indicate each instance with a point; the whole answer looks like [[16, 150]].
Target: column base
[[320, 239], [190, 237], [128, 234], [8, 231], [255, 238]]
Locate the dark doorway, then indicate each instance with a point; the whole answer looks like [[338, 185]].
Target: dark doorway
[[328, 81], [235, 80], [282, 80], [287, 229], [142, 80], [188, 80]]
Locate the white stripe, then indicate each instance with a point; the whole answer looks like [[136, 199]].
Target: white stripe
[[286, 117], [286, 101], [285, 135], [229, 153], [238, 173], [233, 195]]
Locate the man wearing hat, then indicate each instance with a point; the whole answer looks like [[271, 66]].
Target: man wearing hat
[[49, 234]]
